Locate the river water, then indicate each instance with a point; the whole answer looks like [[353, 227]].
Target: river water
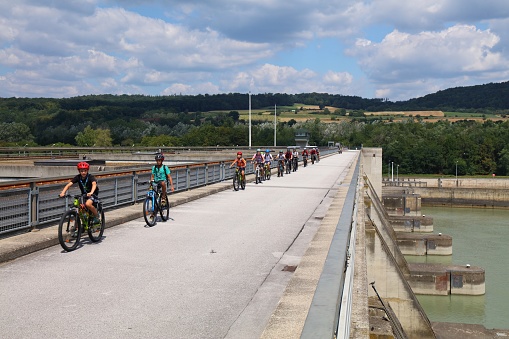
[[480, 238]]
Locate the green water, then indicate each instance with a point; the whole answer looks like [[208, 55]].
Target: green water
[[480, 237]]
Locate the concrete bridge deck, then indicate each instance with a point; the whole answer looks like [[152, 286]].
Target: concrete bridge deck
[[218, 270]]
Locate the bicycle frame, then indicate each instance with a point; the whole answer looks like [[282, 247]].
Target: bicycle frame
[[83, 212]]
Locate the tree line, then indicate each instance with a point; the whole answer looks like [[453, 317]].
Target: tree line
[[210, 120]]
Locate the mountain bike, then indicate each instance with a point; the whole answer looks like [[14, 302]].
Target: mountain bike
[[288, 166], [295, 163], [313, 159], [280, 168], [154, 204], [77, 220], [267, 171], [258, 173], [238, 180], [305, 160]]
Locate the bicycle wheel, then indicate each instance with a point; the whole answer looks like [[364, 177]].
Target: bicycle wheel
[[149, 212], [267, 173], [243, 183], [95, 231], [69, 231], [236, 182], [257, 175], [164, 210]]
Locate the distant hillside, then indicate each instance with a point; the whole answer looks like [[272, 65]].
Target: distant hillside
[[481, 97]]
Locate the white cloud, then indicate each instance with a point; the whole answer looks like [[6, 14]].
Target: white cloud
[[95, 46], [457, 52]]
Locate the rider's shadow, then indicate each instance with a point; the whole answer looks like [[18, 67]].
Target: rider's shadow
[[158, 220], [85, 241]]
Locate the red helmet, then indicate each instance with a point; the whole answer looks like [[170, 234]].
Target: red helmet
[[83, 165], [239, 153]]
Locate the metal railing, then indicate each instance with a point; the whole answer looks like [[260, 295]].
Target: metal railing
[[323, 319], [34, 203]]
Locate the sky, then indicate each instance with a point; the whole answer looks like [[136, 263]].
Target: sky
[[393, 49]]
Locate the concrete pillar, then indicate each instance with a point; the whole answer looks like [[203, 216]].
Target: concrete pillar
[[372, 165]]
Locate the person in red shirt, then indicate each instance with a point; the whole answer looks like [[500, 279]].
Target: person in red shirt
[[289, 157], [240, 162]]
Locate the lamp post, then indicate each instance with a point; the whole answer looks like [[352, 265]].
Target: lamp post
[[397, 173], [249, 119], [392, 171], [389, 172]]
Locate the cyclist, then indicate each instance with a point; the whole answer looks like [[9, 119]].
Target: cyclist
[[313, 155], [258, 160], [161, 174], [289, 157], [295, 157], [305, 152], [88, 186], [267, 159], [280, 162], [241, 163]]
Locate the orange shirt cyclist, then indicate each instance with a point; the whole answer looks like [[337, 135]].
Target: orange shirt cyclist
[[240, 162]]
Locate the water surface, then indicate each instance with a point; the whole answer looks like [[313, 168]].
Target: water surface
[[480, 238]]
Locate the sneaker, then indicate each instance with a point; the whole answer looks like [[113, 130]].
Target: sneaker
[[96, 221], [163, 202]]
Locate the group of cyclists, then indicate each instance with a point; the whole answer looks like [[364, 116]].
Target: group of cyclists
[[288, 160]]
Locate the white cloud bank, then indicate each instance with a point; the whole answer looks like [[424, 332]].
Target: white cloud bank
[[400, 49]]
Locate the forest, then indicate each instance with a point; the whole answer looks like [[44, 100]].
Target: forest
[[417, 146]]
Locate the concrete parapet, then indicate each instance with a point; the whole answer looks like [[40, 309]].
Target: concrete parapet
[[464, 197], [424, 244]]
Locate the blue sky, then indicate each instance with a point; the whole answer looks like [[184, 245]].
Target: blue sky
[[374, 48]]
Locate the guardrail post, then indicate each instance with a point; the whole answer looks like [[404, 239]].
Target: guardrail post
[[188, 177], [33, 201], [135, 186], [206, 174], [222, 171], [116, 191]]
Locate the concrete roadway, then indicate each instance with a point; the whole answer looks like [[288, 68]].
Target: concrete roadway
[[214, 271]]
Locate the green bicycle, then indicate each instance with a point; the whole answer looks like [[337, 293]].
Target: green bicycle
[[238, 180], [79, 219]]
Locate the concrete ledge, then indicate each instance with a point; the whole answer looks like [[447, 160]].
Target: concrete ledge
[[437, 279], [411, 223], [424, 244]]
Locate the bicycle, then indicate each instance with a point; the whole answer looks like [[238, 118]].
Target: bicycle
[[288, 166], [77, 220], [238, 180], [153, 204], [280, 168], [305, 160], [295, 164], [267, 171], [258, 173]]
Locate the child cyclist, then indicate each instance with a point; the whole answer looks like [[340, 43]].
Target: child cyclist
[[241, 164], [88, 185], [160, 174]]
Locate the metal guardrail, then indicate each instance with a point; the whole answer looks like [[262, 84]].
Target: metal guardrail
[[35, 202], [326, 308]]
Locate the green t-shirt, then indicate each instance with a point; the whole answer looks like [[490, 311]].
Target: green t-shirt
[[160, 173]]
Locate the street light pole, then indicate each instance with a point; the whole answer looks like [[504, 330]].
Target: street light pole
[[397, 174], [392, 171], [249, 119]]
